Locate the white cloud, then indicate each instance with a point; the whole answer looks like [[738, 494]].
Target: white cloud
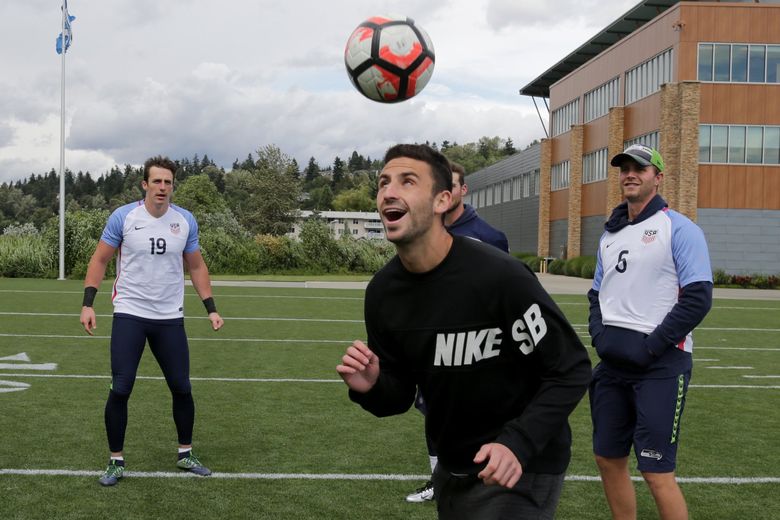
[[224, 79]]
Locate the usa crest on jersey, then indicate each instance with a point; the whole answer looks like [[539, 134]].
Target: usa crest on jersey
[[175, 229], [649, 235]]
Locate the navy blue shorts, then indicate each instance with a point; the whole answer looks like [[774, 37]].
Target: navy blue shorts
[[641, 412], [168, 343]]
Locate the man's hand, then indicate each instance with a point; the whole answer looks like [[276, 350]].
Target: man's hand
[[359, 367], [216, 320], [503, 468], [88, 319]]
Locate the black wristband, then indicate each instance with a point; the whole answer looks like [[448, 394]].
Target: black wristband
[[89, 296], [209, 304]]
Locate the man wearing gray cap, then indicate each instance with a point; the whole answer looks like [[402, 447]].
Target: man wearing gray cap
[[652, 287]]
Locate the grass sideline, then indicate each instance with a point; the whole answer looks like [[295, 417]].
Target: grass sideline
[[290, 420]]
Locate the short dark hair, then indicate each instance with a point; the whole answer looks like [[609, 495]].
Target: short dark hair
[[161, 162], [459, 170], [440, 165]]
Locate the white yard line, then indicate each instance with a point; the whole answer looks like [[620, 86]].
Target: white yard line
[[345, 476], [289, 380]]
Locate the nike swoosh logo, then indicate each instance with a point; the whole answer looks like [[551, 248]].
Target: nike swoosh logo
[[605, 247], [141, 227]]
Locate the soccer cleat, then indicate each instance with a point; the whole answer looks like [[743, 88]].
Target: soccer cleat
[[112, 474], [423, 494], [191, 463]]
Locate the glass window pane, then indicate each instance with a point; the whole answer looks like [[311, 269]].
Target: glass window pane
[[773, 64], [756, 64], [772, 145], [736, 144], [720, 140], [739, 62], [755, 137], [704, 143], [722, 58]]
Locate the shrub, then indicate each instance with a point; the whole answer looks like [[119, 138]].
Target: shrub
[[18, 230], [556, 266], [82, 232], [225, 254], [26, 257], [760, 281], [588, 267], [533, 262], [279, 253], [573, 266], [320, 248], [719, 277], [742, 281]]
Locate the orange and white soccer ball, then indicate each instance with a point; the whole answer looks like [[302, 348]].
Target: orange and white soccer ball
[[389, 58]]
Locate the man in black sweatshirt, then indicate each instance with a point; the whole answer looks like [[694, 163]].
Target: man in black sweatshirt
[[500, 367]]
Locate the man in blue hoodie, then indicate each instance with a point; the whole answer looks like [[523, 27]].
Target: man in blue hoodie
[[652, 287], [461, 219]]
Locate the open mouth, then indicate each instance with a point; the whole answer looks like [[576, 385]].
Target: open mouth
[[393, 214]]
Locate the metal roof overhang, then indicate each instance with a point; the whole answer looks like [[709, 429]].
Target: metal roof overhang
[[625, 25]]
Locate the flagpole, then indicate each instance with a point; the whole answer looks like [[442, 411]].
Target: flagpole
[[62, 151]]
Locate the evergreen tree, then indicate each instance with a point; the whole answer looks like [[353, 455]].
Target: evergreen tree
[[338, 171], [509, 147]]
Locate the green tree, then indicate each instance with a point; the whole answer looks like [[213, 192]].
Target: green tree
[[355, 199], [338, 171], [270, 202], [199, 195]]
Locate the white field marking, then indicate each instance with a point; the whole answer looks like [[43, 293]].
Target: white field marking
[[160, 378], [342, 341], [231, 318], [290, 380], [34, 366], [238, 340], [716, 329], [705, 359], [730, 368], [21, 356], [761, 377], [346, 476], [12, 386], [218, 295]]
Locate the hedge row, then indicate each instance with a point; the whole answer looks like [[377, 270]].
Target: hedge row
[[226, 247]]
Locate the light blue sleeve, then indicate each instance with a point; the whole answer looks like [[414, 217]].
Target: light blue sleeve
[[599, 274], [113, 233], [192, 239], [689, 249]]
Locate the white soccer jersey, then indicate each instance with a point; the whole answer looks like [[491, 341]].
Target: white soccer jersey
[[642, 267], [149, 267]]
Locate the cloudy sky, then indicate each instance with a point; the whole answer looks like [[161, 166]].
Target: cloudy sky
[[224, 78]]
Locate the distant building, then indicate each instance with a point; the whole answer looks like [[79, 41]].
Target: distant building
[[358, 224], [700, 81], [506, 195]]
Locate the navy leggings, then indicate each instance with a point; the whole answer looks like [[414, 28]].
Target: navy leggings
[[168, 343]]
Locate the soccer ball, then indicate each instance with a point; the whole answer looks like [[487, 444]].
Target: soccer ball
[[389, 58]]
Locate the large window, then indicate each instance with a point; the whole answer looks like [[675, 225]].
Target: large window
[[647, 78], [564, 117], [594, 166], [559, 176], [651, 140], [739, 144], [739, 63], [599, 100]]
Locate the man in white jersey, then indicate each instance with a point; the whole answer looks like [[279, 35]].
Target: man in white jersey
[[155, 239], [652, 287]]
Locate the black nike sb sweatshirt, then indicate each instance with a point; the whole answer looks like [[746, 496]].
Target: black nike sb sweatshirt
[[493, 356]]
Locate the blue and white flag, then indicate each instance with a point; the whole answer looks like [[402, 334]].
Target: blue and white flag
[[68, 32]]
